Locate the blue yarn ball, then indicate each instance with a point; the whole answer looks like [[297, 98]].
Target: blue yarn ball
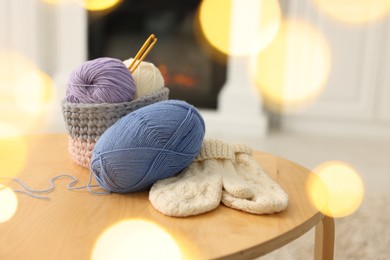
[[147, 145]]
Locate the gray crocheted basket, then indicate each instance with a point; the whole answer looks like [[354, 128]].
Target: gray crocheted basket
[[85, 123]]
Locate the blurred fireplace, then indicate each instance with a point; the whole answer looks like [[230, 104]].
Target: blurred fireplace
[[188, 72]]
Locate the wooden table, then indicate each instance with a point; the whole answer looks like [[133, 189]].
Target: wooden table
[[68, 226]]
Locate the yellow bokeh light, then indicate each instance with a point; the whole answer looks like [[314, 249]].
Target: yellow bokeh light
[[355, 11], [8, 203], [135, 239], [13, 151], [25, 91], [98, 5], [292, 71], [12, 64], [335, 189], [239, 29], [33, 91]]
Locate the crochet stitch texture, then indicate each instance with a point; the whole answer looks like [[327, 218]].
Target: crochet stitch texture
[[85, 123]]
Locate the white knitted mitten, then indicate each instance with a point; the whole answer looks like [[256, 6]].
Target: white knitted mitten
[[268, 197], [198, 188]]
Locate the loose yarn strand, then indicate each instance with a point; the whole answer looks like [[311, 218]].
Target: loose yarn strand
[[89, 186], [22, 191], [30, 192]]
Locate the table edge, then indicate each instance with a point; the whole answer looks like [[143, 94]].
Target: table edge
[[277, 242]]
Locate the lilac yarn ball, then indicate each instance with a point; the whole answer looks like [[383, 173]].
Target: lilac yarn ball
[[102, 80]]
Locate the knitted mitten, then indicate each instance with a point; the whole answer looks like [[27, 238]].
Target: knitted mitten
[[198, 188], [267, 196]]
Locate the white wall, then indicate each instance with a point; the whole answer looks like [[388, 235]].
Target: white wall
[[357, 94], [53, 38], [356, 99]]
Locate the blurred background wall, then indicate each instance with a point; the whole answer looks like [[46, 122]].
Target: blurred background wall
[[303, 79], [304, 65]]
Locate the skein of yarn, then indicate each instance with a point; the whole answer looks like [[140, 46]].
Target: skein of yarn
[[147, 77], [152, 143], [102, 80]]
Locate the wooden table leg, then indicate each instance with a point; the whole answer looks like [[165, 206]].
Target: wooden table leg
[[324, 239]]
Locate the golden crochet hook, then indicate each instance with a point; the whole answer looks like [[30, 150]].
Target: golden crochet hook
[[143, 52]]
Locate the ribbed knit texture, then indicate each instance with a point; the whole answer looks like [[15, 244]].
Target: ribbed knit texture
[[242, 148], [215, 149]]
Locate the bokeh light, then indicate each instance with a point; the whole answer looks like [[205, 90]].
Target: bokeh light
[[135, 239], [98, 5], [12, 64], [239, 29], [56, 2], [335, 189], [33, 91], [8, 203], [13, 151], [292, 71], [355, 11], [25, 91]]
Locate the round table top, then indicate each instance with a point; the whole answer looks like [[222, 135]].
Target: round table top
[[68, 226]]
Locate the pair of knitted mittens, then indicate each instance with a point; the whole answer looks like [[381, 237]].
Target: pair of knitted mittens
[[221, 172]]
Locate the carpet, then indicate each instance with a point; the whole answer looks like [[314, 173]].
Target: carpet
[[363, 235]]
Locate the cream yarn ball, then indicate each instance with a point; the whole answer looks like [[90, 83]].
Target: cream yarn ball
[[147, 77]]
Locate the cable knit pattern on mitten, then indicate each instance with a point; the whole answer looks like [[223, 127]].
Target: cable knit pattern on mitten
[[221, 171], [268, 197], [233, 183], [198, 188]]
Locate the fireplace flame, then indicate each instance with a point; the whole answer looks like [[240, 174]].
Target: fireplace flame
[[179, 79]]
